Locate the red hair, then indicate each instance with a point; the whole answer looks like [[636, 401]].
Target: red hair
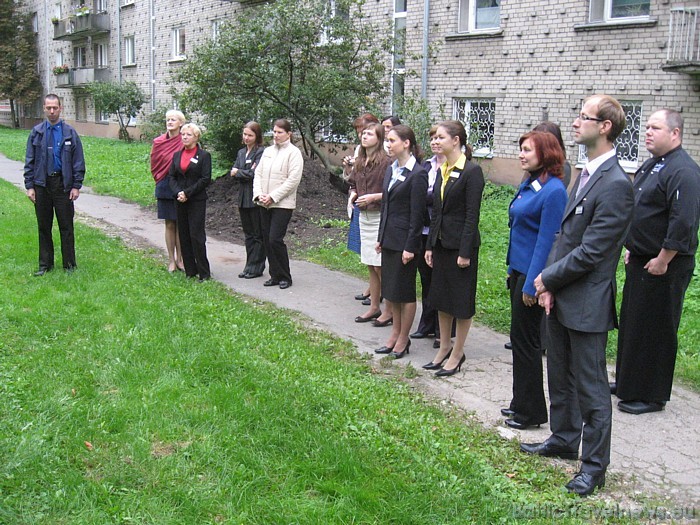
[[548, 151]]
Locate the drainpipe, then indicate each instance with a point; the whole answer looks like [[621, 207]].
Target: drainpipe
[[426, 30], [119, 40], [152, 54]]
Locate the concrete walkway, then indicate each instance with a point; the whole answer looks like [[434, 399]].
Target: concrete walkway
[[654, 456]]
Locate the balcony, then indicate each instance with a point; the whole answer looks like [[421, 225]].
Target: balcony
[[77, 78], [77, 27], [683, 50]]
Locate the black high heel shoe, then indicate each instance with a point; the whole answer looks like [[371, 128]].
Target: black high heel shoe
[[399, 355], [443, 372], [384, 350], [438, 366]]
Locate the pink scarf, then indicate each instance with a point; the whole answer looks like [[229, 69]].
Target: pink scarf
[[162, 155]]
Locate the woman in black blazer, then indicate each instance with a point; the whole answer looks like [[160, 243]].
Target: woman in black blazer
[[190, 174], [399, 239], [243, 172], [453, 243]]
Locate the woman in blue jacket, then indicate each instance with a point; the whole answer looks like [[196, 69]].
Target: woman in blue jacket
[[535, 214]]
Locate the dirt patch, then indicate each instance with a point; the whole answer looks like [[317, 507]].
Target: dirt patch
[[319, 202]]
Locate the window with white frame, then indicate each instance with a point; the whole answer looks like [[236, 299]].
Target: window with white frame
[[216, 28], [612, 10], [127, 2], [479, 15], [57, 10], [129, 51], [100, 6], [79, 56], [179, 43], [398, 72], [627, 144], [102, 117], [59, 57], [479, 118], [35, 22], [100, 52]]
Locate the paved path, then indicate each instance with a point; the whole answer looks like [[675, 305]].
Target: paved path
[[654, 455]]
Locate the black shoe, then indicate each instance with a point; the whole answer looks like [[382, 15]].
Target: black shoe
[[419, 335], [549, 450], [285, 284], [203, 279], [360, 319], [640, 407], [508, 345], [507, 412], [520, 425], [361, 297], [438, 366], [584, 483], [613, 388], [243, 275], [367, 302], [436, 343], [384, 350], [41, 271], [252, 275], [271, 282], [399, 355], [381, 324], [443, 372]]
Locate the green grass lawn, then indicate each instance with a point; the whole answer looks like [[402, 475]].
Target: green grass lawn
[[120, 169], [130, 395]]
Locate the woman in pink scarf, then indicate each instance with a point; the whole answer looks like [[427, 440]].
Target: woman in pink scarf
[[164, 147]]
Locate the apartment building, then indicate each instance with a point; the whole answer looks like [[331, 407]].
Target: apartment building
[[499, 66]]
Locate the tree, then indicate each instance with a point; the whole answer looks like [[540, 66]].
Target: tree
[[123, 100], [19, 77], [297, 59]]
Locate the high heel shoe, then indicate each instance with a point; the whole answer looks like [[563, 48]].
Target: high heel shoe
[[437, 366], [384, 350], [399, 355], [443, 372]]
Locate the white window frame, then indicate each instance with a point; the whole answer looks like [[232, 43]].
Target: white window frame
[[468, 17], [101, 57], [58, 10], [216, 28], [59, 58], [130, 50], [398, 71], [101, 117], [601, 11], [179, 43], [80, 57], [463, 110], [127, 2], [35, 22], [100, 6]]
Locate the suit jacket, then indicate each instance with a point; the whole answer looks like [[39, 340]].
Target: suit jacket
[[455, 220], [403, 206], [582, 264], [195, 179], [36, 159], [246, 164]]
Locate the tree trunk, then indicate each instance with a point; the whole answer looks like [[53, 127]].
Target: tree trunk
[[306, 132], [13, 114]]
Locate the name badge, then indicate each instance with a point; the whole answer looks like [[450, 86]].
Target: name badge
[[401, 178], [536, 185], [249, 161], [68, 143], [455, 175], [578, 210], [658, 168], [193, 160]]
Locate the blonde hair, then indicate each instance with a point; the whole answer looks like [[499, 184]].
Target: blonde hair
[[177, 114], [194, 128]]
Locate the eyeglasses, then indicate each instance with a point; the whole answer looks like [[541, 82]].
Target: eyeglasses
[[586, 117]]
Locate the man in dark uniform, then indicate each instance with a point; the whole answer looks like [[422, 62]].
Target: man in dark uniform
[[659, 263], [54, 169]]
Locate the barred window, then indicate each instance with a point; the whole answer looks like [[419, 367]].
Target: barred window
[[479, 117], [627, 144]]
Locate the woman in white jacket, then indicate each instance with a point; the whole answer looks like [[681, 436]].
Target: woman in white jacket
[[275, 184]]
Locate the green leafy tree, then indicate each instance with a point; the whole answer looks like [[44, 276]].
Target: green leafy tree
[[19, 79], [123, 100], [289, 58]]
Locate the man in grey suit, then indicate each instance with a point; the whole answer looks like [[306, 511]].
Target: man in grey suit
[[577, 290]]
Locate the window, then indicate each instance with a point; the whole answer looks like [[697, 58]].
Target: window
[[100, 6], [57, 11], [102, 117], [79, 57], [611, 10], [479, 15], [59, 58], [216, 29], [478, 116], [179, 43], [398, 73], [81, 108], [127, 2], [35, 23], [129, 51], [627, 144], [100, 51]]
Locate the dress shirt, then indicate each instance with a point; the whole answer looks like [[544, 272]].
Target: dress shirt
[[55, 142]]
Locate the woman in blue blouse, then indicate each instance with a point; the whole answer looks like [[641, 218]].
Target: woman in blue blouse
[[534, 218]]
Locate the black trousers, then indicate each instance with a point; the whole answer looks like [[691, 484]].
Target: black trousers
[[251, 220], [428, 323], [50, 199], [528, 388], [649, 318], [274, 223], [191, 217]]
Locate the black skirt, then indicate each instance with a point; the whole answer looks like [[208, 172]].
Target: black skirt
[[166, 209], [453, 289], [398, 279]]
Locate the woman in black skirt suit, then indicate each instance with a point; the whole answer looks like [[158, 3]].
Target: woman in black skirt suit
[[453, 243], [399, 239]]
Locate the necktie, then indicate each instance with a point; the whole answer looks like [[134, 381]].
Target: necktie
[[582, 180]]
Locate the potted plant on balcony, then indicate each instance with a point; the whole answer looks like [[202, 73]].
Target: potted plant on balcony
[[59, 70], [82, 10], [55, 20]]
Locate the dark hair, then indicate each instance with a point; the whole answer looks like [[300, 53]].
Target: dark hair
[[376, 155], [549, 153], [284, 124], [395, 121], [255, 128], [550, 127], [53, 96], [455, 128], [610, 109], [406, 133], [364, 120]]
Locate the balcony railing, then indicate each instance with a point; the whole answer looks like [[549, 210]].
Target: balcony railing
[[77, 78], [77, 27], [683, 50]]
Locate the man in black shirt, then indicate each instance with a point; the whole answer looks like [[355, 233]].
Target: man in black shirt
[[659, 262]]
